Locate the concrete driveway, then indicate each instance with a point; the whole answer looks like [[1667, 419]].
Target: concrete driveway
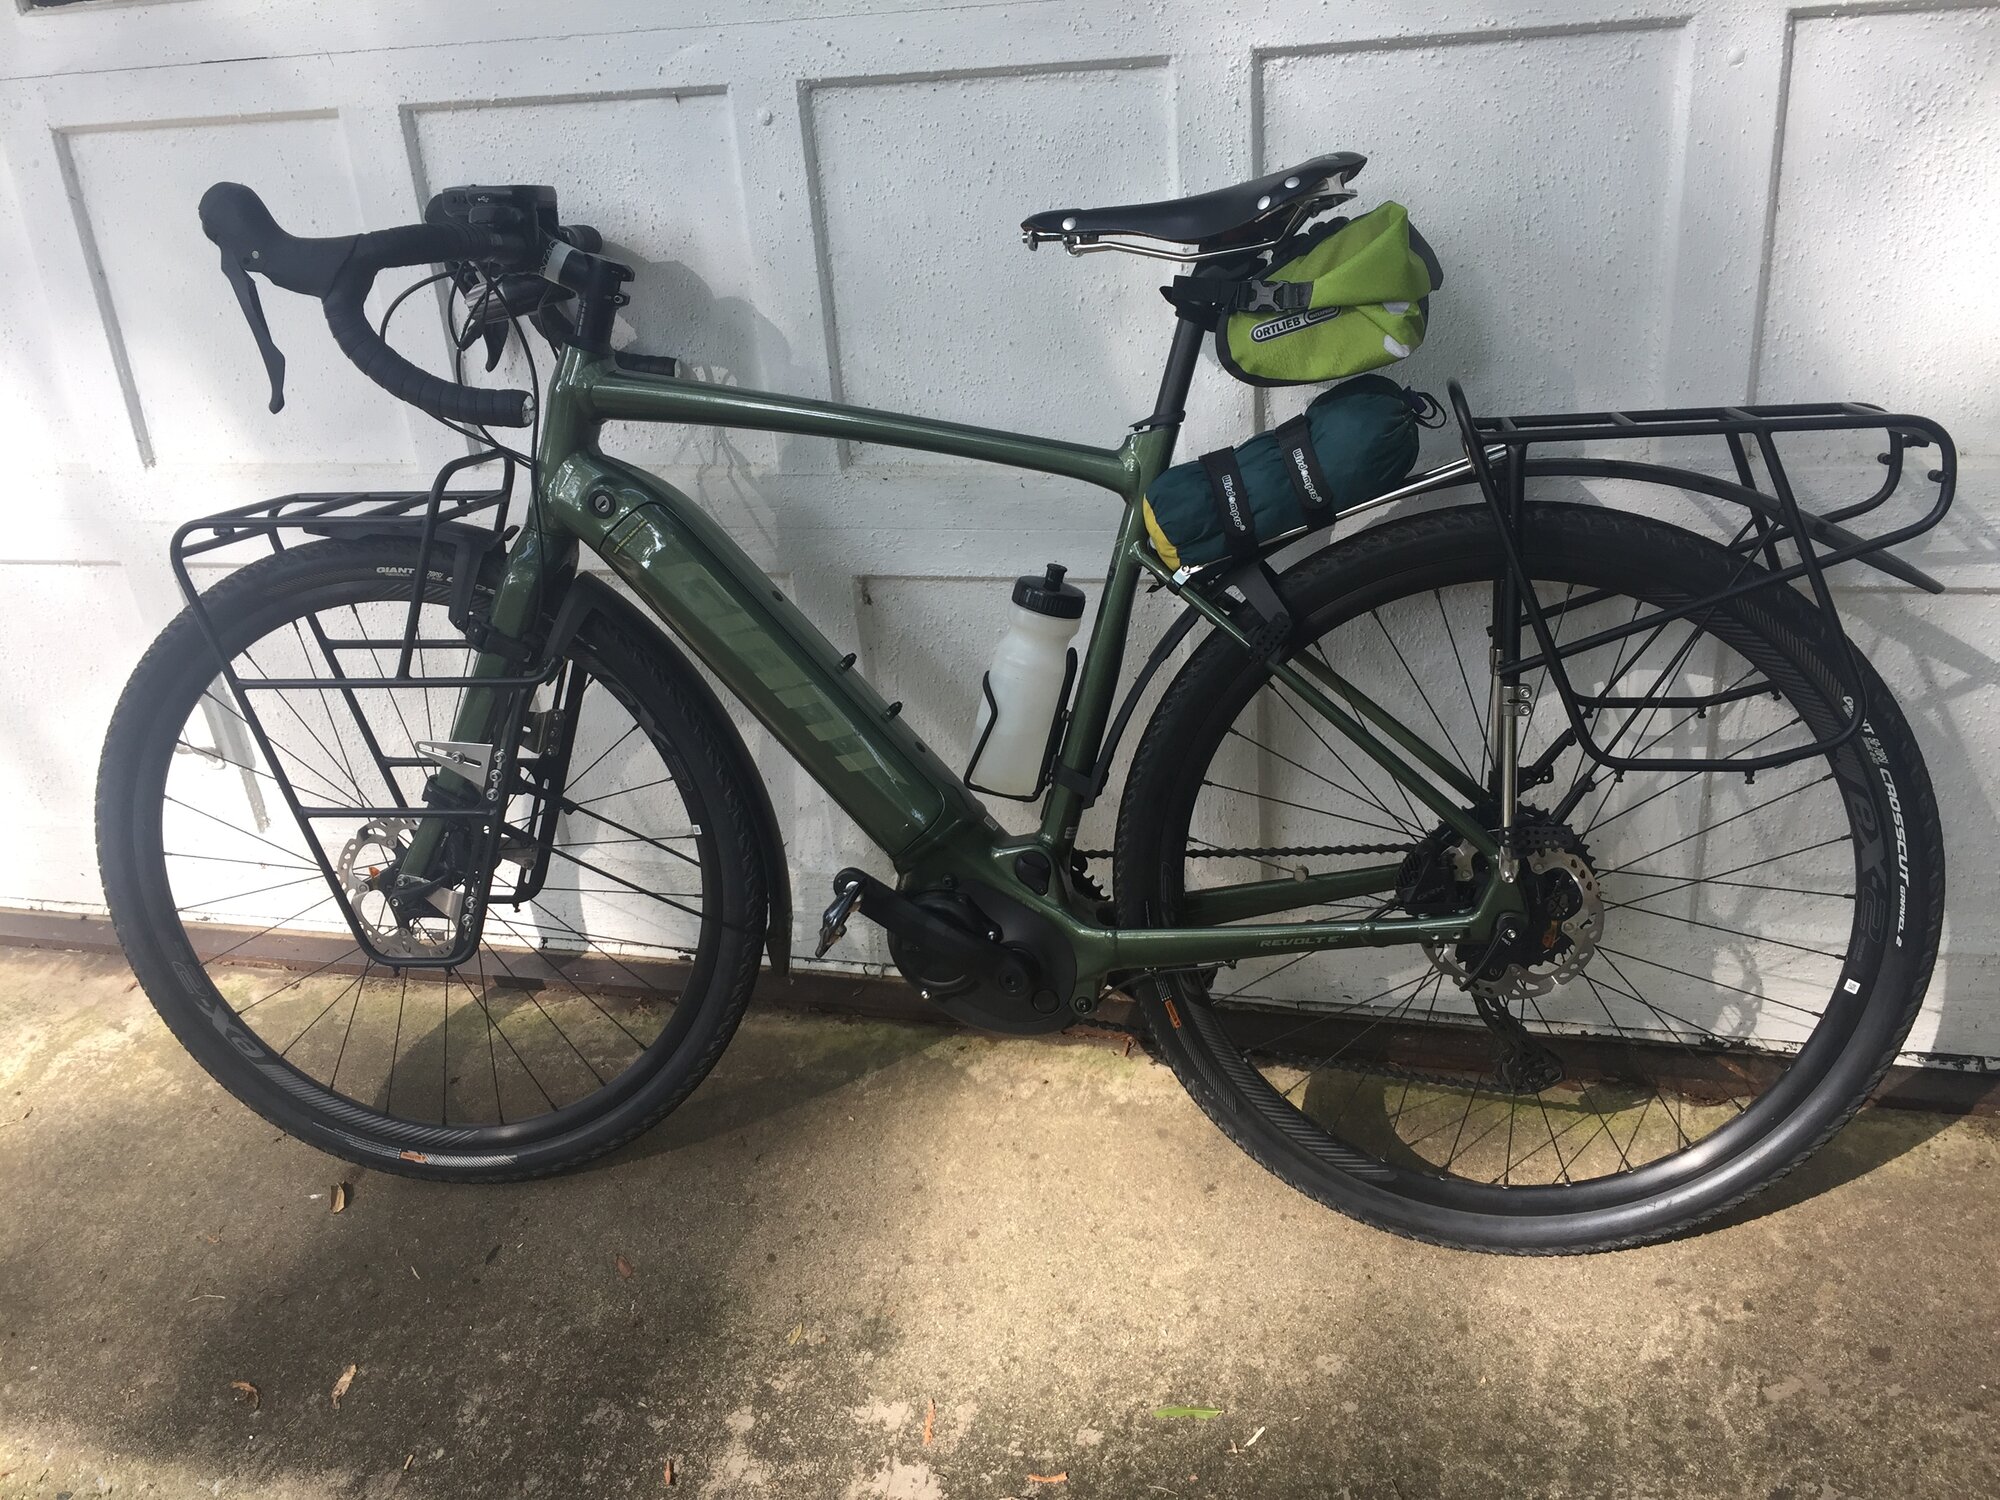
[[879, 1260]]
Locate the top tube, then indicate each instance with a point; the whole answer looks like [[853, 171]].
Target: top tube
[[613, 394]]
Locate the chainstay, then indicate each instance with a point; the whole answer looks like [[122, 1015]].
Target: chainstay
[[1396, 1071]]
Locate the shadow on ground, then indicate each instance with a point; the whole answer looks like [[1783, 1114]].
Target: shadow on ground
[[1870, 1142], [879, 1261]]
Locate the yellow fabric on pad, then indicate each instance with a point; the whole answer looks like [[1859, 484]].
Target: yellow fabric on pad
[[1168, 553]]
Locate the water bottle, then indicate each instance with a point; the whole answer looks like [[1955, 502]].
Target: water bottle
[[1025, 686]]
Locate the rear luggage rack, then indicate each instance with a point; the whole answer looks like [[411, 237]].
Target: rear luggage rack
[[469, 523], [1497, 449]]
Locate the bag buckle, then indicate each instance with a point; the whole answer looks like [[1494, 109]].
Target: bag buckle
[[1274, 296]]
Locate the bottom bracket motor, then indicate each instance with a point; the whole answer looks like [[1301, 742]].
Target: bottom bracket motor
[[976, 998]]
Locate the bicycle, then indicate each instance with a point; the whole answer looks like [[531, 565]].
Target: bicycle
[[1443, 962]]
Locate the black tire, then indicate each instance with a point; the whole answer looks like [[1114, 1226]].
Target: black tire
[[1809, 1089], [680, 726]]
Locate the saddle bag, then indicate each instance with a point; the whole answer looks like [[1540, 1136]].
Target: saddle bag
[[1353, 443], [1345, 296]]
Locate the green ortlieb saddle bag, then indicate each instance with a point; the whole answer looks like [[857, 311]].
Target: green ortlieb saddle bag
[[1353, 443], [1343, 297]]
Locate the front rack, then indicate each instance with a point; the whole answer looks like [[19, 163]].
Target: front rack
[[1497, 449], [469, 787]]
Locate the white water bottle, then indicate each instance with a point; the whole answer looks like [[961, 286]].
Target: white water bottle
[[1025, 686]]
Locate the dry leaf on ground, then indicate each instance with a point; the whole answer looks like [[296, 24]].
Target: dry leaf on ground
[[337, 1199], [340, 1386], [625, 1267], [798, 1332], [245, 1391], [930, 1422]]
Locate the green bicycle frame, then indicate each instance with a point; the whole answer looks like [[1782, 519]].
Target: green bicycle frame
[[713, 598]]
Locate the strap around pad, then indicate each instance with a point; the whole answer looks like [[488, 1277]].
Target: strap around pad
[[1231, 498], [1302, 468]]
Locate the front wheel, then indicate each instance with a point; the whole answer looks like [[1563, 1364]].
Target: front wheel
[[1716, 969], [619, 946]]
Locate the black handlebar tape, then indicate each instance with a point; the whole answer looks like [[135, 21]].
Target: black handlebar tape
[[347, 317], [340, 271]]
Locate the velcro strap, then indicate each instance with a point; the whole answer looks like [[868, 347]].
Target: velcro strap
[[1302, 468], [1231, 498]]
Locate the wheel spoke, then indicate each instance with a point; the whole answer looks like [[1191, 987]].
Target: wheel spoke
[[518, 1030], [1640, 1078]]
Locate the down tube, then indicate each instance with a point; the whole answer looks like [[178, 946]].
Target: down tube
[[745, 631]]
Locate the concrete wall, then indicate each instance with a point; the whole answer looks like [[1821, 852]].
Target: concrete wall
[[1639, 204]]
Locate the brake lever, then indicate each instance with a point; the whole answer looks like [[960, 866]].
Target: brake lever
[[253, 312], [496, 343], [493, 306]]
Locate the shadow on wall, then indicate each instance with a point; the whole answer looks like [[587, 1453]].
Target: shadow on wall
[[719, 341]]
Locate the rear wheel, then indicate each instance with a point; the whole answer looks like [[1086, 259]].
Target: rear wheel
[[1718, 967], [591, 1008]]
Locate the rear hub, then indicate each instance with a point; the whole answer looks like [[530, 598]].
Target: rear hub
[[1527, 955], [1560, 931]]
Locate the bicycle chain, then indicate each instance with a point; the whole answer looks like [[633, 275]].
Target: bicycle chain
[[1315, 851]]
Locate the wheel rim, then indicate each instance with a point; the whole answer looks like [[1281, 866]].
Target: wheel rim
[[570, 1006], [1347, 1083]]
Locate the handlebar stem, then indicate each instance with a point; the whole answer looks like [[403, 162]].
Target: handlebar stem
[[596, 282]]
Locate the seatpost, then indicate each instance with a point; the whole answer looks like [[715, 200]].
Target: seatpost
[[1170, 410]]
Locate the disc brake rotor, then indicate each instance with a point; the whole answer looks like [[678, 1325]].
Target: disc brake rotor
[[365, 866], [1562, 936]]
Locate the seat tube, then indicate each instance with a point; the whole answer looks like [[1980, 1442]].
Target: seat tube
[[1098, 683]]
